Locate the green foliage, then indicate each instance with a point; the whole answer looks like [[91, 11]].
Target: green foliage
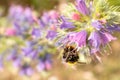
[[44, 4], [114, 2], [6, 43]]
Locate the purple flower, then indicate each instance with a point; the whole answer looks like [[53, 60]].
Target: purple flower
[[16, 62], [17, 28], [36, 32], [42, 24], [65, 24], [82, 8], [26, 51], [15, 12], [97, 25], [45, 18], [29, 50], [113, 27], [12, 11], [40, 66], [33, 54], [98, 39], [15, 57], [106, 37], [39, 48], [44, 63], [48, 18], [28, 14], [78, 37], [21, 30], [26, 70], [31, 43], [53, 14], [94, 41], [51, 34]]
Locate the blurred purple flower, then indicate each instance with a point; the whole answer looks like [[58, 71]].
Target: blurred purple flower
[[16, 62], [15, 57], [42, 24], [15, 12], [45, 18], [39, 48], [27, 51], [12, 11], [30, 43], [23, 15], [26, 70], [44, 63], [17, 28], [82, 8], [36, 32], [53, 14], [48, 19], [65, 24], [18, 11], [40, 66], [28, 14], [33, 54], [51, 34]]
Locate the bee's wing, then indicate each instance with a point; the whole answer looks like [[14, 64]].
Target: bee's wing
[[84, 58]]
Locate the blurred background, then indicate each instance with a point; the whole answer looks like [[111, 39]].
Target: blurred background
[[108, 70]]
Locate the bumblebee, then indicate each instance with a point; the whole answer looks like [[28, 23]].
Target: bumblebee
[[70, 54]]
